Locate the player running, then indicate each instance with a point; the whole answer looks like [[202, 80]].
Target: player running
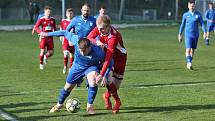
[[47, 24], [190, 22], [68, 50], [110, 37], [87, 63], [210, 16]]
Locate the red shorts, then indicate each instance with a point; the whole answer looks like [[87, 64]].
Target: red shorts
[[66, 46], [119, 65], [47, 43]]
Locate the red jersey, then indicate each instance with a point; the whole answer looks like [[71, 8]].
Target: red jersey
[[63, 25], [47, 24], [115, 47]]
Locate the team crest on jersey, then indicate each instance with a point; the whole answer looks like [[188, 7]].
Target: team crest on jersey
[[91, 23], [90, 57], [197, 16], [79, 23], [52, 22]]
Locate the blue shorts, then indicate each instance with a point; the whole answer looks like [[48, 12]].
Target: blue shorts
[[210, 27], [77, 72], [191, 42]]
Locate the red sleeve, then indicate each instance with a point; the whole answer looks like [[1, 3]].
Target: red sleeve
[[93, 34], [36, 27], [109, 54]]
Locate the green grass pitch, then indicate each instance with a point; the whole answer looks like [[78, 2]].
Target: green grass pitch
[[157, 86]]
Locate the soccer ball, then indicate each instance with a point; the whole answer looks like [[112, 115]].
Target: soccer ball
[[73, 105]]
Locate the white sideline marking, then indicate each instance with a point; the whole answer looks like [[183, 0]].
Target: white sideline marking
[[131, 87], [7, 116]]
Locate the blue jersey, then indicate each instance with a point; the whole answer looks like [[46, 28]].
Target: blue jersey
[[210, 15], [82, 27], [95, 56], [190, 22]]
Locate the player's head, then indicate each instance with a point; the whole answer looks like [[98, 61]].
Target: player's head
[[47, 11], [69, 13], [85, 10], [102, 10], [210, 5], [84, 46], [103, 24], [191, 5]]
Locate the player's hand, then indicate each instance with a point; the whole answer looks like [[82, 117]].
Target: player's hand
[[179, 38], [204, 35], [104, 82], [98, 78], [99, 43]]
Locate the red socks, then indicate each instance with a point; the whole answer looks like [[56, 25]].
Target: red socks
[[113, 91]]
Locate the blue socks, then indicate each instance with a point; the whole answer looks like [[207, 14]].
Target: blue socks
[[189, 59], [63, 95], [92, 91]]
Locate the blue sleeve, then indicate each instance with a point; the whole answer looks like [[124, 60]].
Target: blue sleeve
[[202, 23], [109, 69], [57, 33], [182, 24], [71, 24], [207, 15], [69, 36]]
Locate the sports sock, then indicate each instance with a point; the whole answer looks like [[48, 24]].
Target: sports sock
[[92, 91], [41, 59], [65, 61], [189, 59], [63, 95], [113, 91]]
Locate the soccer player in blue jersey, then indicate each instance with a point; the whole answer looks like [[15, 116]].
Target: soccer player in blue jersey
[[210, 16], [84, 23], [102, 11], [87, 63], [190, 22]]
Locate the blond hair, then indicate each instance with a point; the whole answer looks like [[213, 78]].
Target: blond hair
[[103, 21]]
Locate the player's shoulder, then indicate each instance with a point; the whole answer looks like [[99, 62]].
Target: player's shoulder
[[52, 18]]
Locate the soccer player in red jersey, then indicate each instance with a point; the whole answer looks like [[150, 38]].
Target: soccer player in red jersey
[[68, 49], [47, 24], [112, 40]]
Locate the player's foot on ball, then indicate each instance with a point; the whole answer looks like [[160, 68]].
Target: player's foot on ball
[[189, 66], [45, 60], [64, 70], [107, 101], [55, 108], [90, 109], [41, 67], [116, 106]]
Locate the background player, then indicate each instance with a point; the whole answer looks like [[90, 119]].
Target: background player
[[190, 22], [110, 37], [47, 24], [210, 16], [102, 11], [68, 50]]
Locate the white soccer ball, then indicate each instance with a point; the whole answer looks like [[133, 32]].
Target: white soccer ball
[[73, 105]]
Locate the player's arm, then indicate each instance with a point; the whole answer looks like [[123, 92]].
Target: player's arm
[[71, 24], [37, 25], [183, 22], [105, 78], [203, 25], [109, 54], [92, 36]]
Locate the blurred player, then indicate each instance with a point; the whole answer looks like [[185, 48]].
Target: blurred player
[[68, 50], [102, 11], [112, 39], [87, 63], [47, 24], [190, 22], [84, 23], [210, 16]]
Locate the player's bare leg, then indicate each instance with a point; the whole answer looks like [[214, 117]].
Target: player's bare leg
[[63, 95]]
